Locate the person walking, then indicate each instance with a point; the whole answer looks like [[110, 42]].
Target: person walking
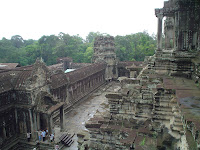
[[43, 135], [47, 132], [39, 135], [51, 137], [28, 134]]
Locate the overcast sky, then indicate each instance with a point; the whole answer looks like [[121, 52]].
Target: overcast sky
[[34, 18]]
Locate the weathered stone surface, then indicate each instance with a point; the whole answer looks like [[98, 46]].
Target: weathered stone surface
[[34, 97], [157, 107], [160, 105], [104, 52]]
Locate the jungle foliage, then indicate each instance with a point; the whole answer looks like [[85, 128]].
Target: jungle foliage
[[128, 48]]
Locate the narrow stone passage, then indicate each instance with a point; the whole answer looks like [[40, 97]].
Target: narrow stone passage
[[83, 111]]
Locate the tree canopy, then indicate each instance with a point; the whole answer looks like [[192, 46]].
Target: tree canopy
[[128, 48]]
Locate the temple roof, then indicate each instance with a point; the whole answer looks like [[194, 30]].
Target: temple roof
[[84, 72], [15, 79], [56, 67], [58, 80], [9, 65]]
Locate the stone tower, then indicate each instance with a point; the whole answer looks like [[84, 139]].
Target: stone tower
[[104, 52]]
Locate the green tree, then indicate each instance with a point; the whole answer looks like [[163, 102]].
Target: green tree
[[46, 47], [88, 55], [135, 46], [17, 41], [91, 36], [128, 48]]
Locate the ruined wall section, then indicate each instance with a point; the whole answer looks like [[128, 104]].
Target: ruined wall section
[[144, 108], [123, 70], [134, 101], [127, 123]]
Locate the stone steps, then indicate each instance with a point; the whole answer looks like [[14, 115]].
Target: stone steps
[[177, 128], [163, 113], [162, 117], [169, 109]]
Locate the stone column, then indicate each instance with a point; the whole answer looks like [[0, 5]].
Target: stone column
[[198, 48], [49, 124], [32, 125], [4, 130], [61, 119], [176, 25], [159, 32], [16, 121], [38, 121], [35, 121], [25, 126]]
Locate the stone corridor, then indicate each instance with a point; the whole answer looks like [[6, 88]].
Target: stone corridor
[[75, 119]]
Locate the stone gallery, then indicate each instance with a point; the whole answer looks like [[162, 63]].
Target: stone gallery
[[156, 107]]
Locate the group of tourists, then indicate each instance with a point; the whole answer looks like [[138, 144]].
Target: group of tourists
[[42, 135]]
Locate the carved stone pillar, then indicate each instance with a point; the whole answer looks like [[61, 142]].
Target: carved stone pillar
[[35, 121], [25, 126], [176, 24], [61, 119], [169, 33], [198, 48], [16, 121], [50, 123], [4, 130], [48, 127], [159, 32], [38, 121], [32, 125]]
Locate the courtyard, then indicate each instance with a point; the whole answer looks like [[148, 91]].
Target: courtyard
[[76, 118]]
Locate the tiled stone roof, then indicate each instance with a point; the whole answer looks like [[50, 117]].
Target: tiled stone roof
[[84, 72], [9, 65]]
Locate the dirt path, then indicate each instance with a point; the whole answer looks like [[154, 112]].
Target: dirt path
[[83, 111]]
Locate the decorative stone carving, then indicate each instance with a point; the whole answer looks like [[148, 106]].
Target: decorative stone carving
[[104, 52]]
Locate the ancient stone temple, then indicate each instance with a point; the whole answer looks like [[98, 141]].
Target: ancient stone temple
[[104, 51], [36, 97], [181, 37], [26, 105], [155, 107], [158, 107]]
